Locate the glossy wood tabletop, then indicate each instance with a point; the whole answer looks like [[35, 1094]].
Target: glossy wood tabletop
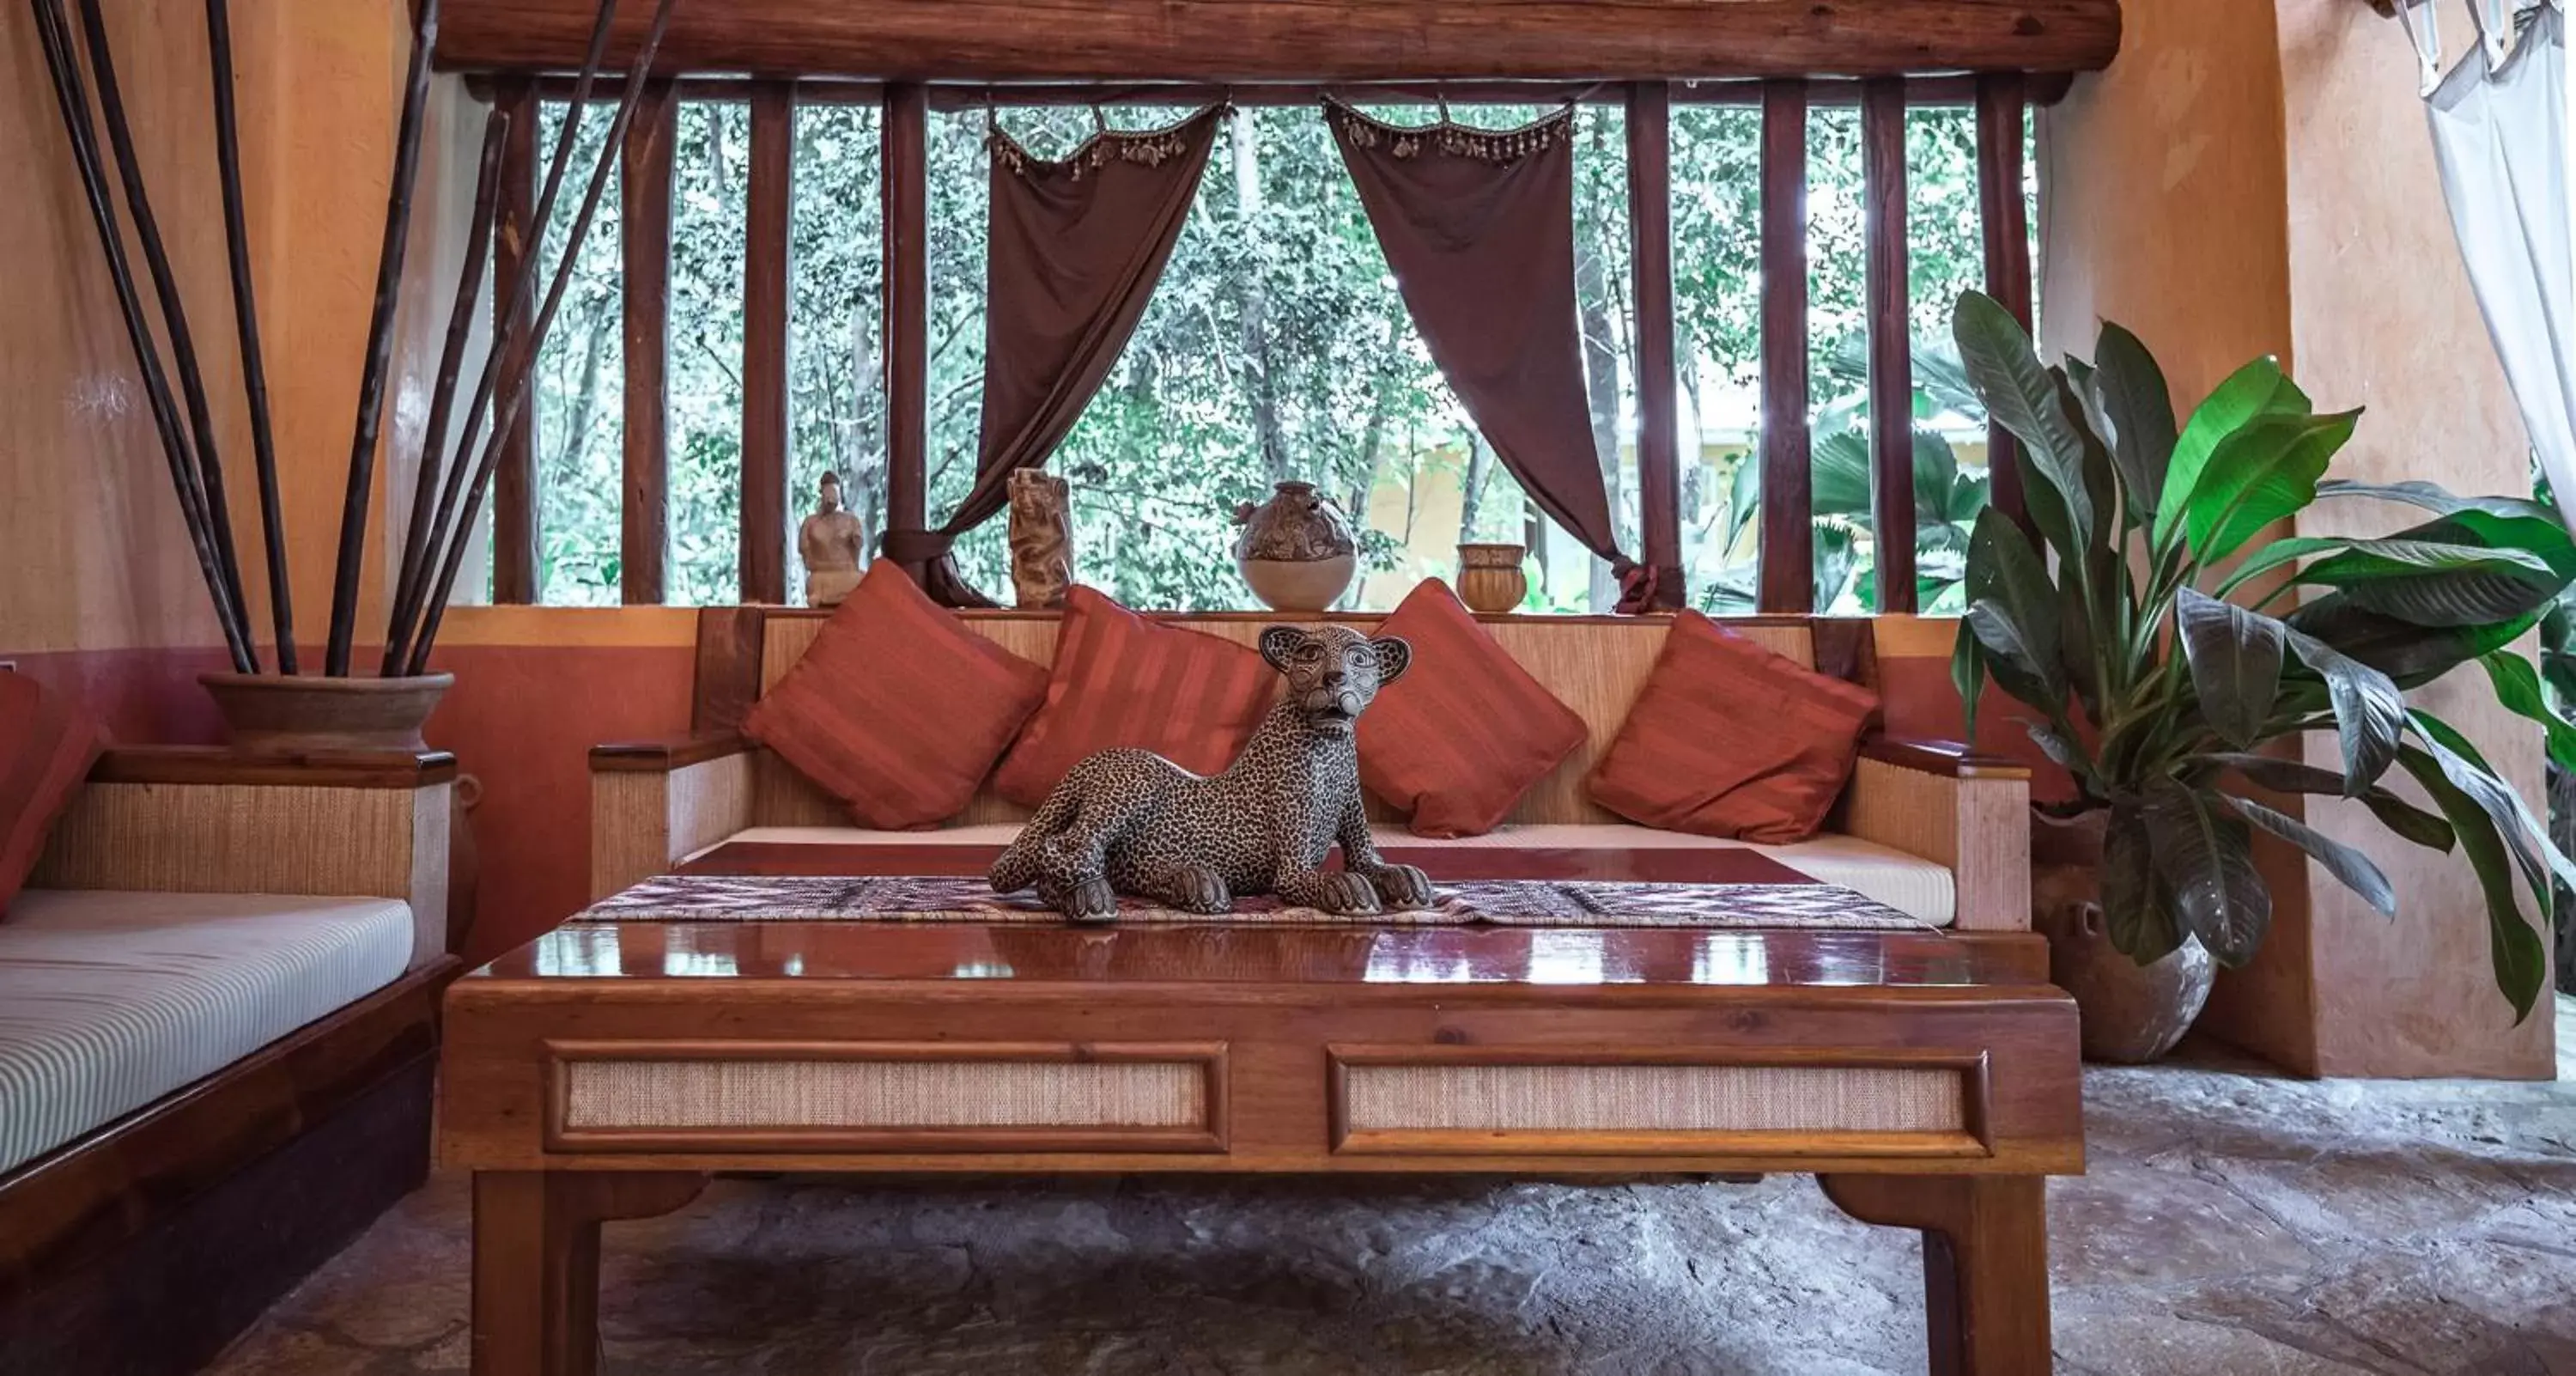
[[1558, 957]]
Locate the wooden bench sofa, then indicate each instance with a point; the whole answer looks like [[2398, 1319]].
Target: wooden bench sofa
[[218, 1029], [1926, 827]]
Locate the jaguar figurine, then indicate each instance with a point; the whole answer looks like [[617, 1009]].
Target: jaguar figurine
[[1131, 822]]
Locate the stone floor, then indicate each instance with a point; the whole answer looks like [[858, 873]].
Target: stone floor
[[2233, 1223]]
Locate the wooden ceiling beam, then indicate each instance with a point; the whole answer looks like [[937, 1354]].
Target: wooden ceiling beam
[[1306, 40]]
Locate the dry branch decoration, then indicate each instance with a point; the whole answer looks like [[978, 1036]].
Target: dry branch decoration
[[452, 482]]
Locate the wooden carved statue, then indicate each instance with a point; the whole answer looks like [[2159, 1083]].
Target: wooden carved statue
[[1041, 537], [1132, 822], [830, 542]]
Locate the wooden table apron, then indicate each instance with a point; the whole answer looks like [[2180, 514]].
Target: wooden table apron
[[1259, 1036]]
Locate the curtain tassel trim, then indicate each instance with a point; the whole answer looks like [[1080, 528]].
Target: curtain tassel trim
[[1455, 140], [1148, 147]]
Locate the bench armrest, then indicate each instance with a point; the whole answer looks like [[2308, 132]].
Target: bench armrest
[[1942, 802], [195, 819], [654, 803]]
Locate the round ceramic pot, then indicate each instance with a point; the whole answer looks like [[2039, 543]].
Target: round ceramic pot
[[1297, 553], [1298, 586], [2131, 1013], [1490, 578], [309, 712]]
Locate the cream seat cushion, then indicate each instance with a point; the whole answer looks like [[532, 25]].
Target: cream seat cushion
[[1919, 888], [111, 1000]]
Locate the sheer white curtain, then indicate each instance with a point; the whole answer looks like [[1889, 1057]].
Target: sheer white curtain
[[2500, 133]]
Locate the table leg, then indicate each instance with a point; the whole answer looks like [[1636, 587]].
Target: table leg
[[536, 1262], [1985, 1262]]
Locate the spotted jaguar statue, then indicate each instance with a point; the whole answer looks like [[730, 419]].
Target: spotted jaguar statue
[[1131, 822]]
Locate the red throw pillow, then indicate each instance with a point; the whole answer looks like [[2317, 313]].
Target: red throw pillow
[[1121, 680], [1457, 740], [47, 744], [1729, 739], [897, 709]]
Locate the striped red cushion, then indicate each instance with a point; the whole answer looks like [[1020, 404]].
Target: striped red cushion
[[47, 743], [1457, 740], [1121, 680], [1729, 739], [897, 709]]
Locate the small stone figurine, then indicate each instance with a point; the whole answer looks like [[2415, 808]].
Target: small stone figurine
[[1132, 822], [1041, 538], [830, 542]]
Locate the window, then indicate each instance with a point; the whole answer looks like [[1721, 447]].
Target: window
[[1717, 237], [580, 378], [836, 407], [1275, 347], [709, 214]]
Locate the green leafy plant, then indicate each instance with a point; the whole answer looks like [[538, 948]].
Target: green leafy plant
[[2158, 695]]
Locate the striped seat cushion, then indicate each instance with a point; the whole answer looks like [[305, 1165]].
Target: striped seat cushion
[[110, 1000]]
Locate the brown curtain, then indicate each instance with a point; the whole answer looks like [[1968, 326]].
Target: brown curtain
[[1076, 247], [1478, 226]]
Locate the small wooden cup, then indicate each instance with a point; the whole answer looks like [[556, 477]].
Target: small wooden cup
[[1490, 578]]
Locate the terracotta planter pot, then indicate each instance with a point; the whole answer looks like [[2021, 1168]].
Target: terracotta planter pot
[[305, 713], [1490, 577], [2132, 1013]]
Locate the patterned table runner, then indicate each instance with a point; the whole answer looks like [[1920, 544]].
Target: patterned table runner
[[1505, 902]]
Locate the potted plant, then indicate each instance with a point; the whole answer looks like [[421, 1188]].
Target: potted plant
[[2161, 637]]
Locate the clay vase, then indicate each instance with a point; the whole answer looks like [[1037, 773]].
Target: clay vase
[[1296, 552], [1490, 579], [2132, 1013], [291, 714]]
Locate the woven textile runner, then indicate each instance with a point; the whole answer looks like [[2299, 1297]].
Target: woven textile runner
[[1504, 902]]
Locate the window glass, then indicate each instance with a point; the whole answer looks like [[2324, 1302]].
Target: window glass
[[710, 212], [1717, 316], [836, 405], [580, 382]]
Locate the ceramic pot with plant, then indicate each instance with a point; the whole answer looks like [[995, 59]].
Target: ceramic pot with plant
[[2160, 636], [1296, 552]]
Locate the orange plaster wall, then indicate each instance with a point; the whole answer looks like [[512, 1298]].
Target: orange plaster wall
[[91, 544], [2383, 318], [2163, 187]]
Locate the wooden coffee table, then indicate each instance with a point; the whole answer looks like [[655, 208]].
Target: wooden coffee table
[[606, 1070]]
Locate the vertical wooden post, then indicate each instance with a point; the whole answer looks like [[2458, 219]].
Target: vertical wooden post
[[645, 220], [1788, 574], [1891, 342], [516, 235], [2001, 107], [905, 129], [764, 343], [1650, 228]]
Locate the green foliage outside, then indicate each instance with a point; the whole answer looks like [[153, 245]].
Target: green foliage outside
[[1276, 347]]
